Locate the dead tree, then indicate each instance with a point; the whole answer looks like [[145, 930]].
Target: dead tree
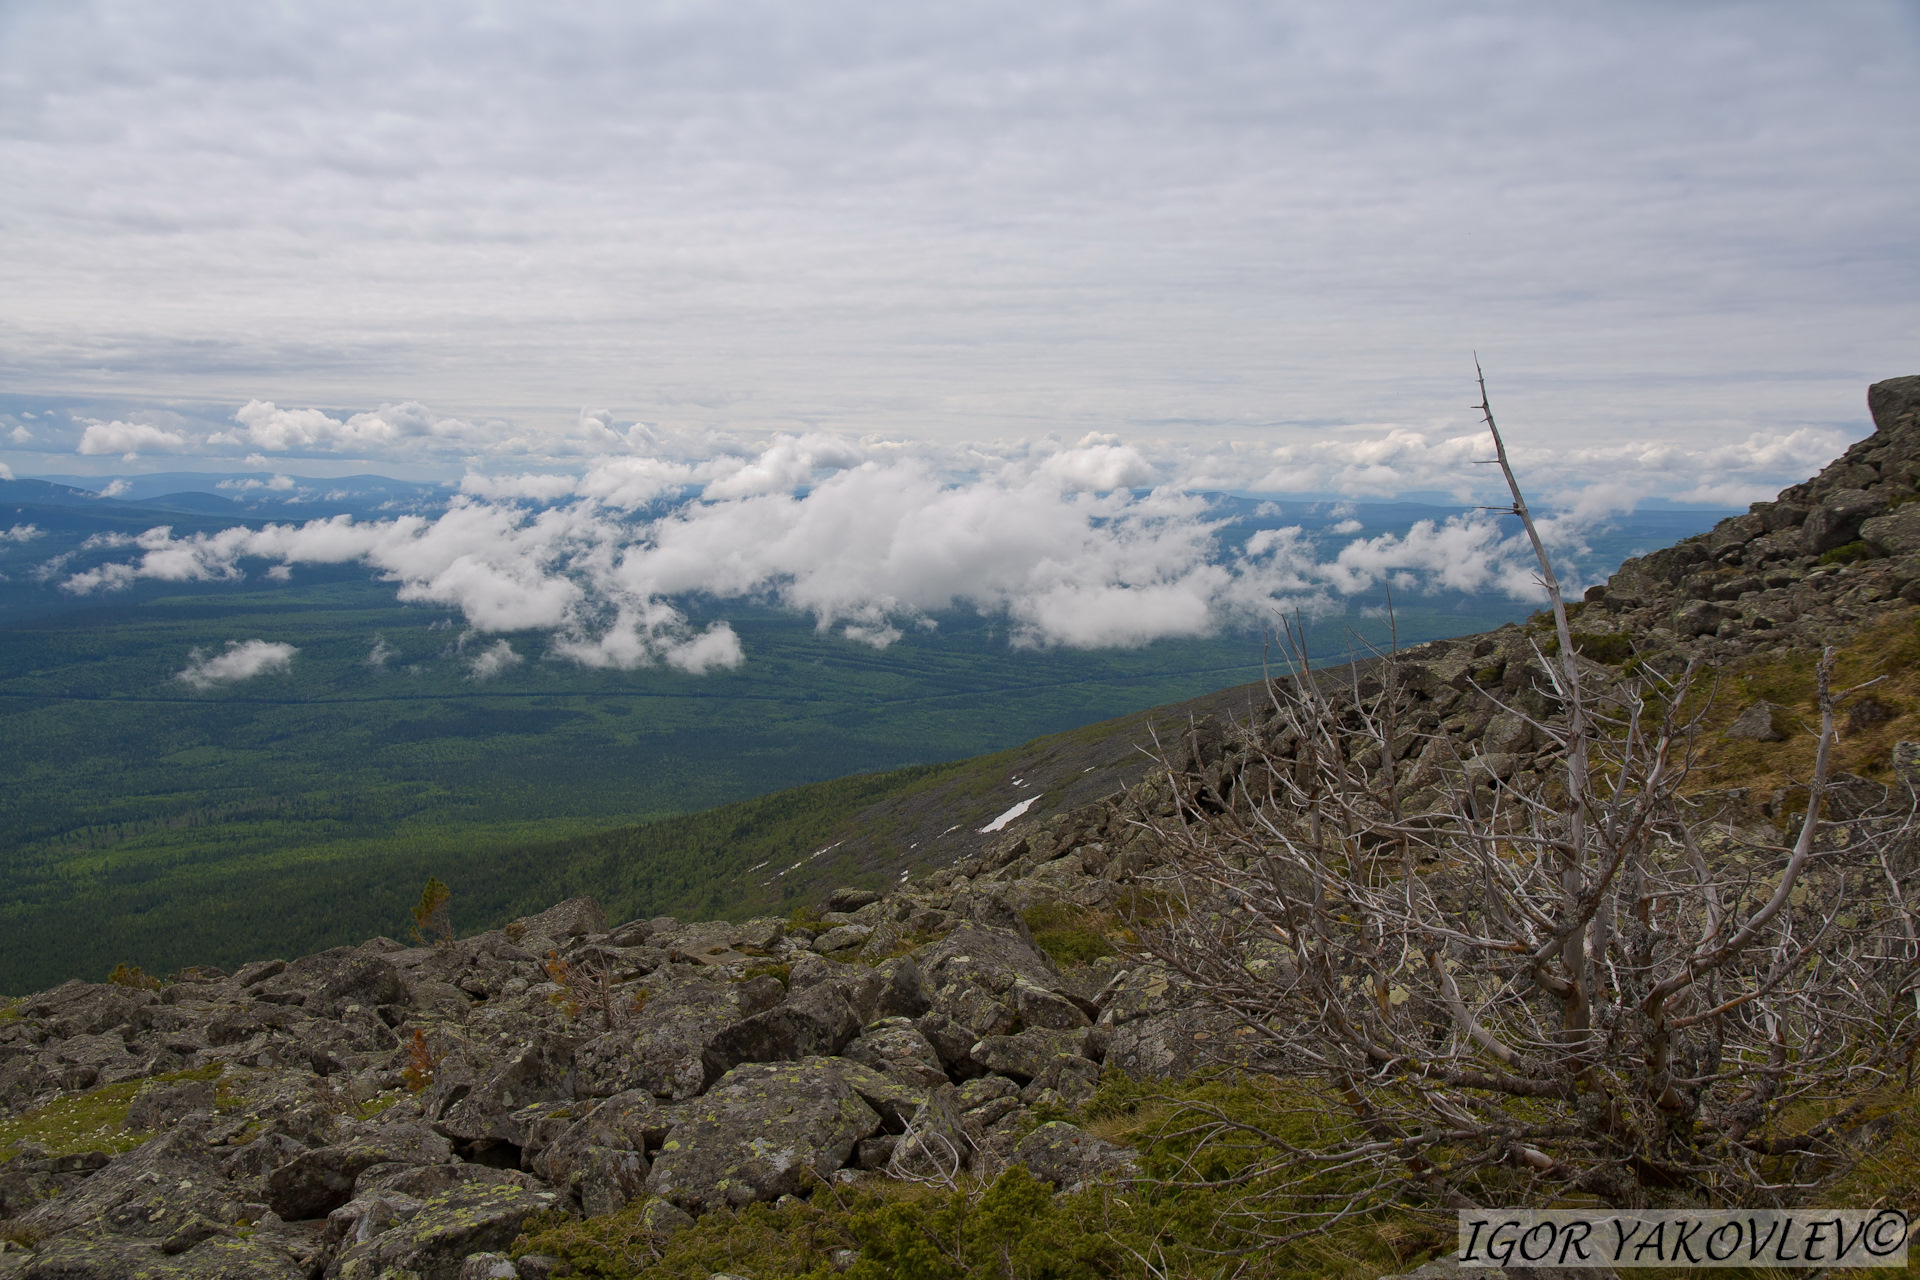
[[1523, 990]]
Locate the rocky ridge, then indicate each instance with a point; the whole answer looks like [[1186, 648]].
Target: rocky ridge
[[389, 1109]]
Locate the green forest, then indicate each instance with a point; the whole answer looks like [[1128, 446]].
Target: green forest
[[148, 821]]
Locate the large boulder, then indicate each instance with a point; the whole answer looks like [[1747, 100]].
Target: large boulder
[[559, 924], [764, 1131], [220, 1256], [666, 1051], [540, 1071], [600, 1160], [431, 1238], [814, 1023], [972, 975], [1897, 533], [1172, 1045], [894, 1046], [150, 1192], [1837, 520], [1022, 1057], [316, 1182]]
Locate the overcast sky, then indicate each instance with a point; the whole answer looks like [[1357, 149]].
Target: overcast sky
[[1680, 235]]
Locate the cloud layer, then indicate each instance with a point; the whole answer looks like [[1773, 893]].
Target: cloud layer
[[869, 547]]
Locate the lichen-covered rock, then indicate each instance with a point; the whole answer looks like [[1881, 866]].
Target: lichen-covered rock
[[554, 927], [1758, 723], [1029, 1053], [1897, 533], [148, 1192], [325, 983], [1172, 1045], [433, 1240], [1066, 1155], [764, 1131], [894, 1046], [109, 1258], [665, 1052], [815, 1022], [936, 1143], [314, 1183], [600, 1161]]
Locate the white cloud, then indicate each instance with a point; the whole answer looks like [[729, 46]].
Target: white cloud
[[20, 435], [115, 489], [276, 483], [381, 653], [129, 438], [6, 472], [242, 660], [870, 549], [23, 533], [267, 427], [492, 660]]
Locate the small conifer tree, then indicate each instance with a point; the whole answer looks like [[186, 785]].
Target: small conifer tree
[[433, 915]]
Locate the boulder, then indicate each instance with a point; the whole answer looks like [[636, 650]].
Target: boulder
[[936, 1143], [816, 1022], [894, 1046], [149, 1192], [433, 1240], [764, 1131], [600, 1161], [1026, 1055], [158, 1107], [1758, 723], [220, 1257], [1172, 1045], [325, 983], [1837, 520], [538, 1072], [558, 924], [1897, 533], [665, 1053], [1066, 1155], [315, 1183]]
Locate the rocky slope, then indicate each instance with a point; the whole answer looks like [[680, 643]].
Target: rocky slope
[[390, 1110]]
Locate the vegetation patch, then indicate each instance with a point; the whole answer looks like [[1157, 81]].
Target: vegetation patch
[[91, 1121], [1073, 936]]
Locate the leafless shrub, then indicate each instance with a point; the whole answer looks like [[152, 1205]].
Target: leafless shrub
[[1562, 983]]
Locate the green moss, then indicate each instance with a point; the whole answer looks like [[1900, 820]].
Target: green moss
[[91, 1121], [10, 1007]]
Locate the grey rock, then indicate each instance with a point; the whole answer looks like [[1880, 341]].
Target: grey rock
[[1758, 723], [936, 1142], [663, 1218], [156, 1108], [1066, 1155], [895, 1046], [110, 1258], [148, 1192], [538, 1072], [1172, 1045], [816, 1022], [851, 899], [1027, 1054], [1897, 533], [1068, 1079], [842, 937], [488, 1266], [764, 1131], [600, 1160], [1837, 520], [666, 1051], [314, 1183], [436, 1239], [574, 918]]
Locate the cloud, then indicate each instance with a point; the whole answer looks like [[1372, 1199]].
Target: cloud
[[277, 483], [242, 660], [23, 533], [492, 660], [267, 427], [870, 547], [115, 489], [129, 439]]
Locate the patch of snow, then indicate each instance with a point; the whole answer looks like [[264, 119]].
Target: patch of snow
[[1000, 822]]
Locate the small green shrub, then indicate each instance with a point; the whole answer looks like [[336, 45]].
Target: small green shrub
[[780, 971], [129, 975], [1611, 648], [1852, 552]]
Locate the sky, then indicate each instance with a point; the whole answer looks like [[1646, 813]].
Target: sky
[[557, 251]]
